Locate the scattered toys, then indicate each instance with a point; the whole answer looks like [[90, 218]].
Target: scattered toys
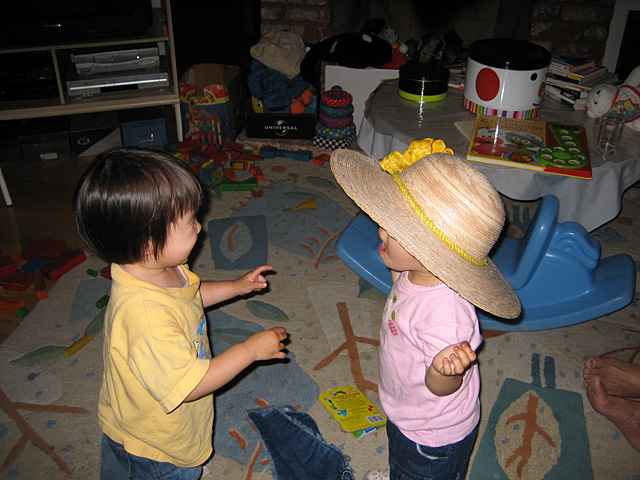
[[10, 304], [16, 281], [292, 178], [7, 265], [229, 184], [77, 345], [63, 263], [41, 288], [102, 302], [45, 259], [321, 159], [46, 249]]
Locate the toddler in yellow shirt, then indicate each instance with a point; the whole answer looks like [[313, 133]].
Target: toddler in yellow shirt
[[137, 209]]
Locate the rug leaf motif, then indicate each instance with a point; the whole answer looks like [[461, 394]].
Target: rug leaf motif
[[232, 335], [267, 311], [40, 355], [527, 438]]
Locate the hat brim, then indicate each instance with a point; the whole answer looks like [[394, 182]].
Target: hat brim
[[377, 194]]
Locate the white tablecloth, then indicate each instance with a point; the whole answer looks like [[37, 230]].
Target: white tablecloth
[[391, 123]]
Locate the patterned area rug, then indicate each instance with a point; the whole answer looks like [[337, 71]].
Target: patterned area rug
[[536, 420]]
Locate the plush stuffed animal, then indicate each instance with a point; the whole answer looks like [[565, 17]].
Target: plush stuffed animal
[[623, 100], [370, 47]]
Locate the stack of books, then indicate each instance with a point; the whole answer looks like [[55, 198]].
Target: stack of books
[[570, 79]]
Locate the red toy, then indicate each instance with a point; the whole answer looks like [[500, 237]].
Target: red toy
[[46, 249], [16, 281], [62, 264], [7, 265]]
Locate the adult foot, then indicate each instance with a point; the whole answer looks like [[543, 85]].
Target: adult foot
[[618, 378], [622, 412]]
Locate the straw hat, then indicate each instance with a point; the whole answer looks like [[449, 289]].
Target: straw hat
[[455, 219]]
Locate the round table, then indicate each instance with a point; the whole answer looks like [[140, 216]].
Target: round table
[[390, 123]]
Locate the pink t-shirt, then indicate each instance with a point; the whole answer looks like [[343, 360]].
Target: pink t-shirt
[[418, 323]]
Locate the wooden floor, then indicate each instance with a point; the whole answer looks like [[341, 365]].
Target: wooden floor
[[42, 195]]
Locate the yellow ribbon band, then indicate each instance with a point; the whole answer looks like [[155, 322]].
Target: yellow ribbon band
[[450, 243]]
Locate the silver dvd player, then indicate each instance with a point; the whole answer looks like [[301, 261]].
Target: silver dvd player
[[117, 82], [116, 61]]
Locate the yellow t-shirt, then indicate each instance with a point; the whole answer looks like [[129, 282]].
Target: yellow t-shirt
[[156, 351]]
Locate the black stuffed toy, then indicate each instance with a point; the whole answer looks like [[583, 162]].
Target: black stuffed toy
[[368, 48]]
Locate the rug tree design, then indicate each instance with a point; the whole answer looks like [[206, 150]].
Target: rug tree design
[[535, 432], [351, 346], [28, 434]]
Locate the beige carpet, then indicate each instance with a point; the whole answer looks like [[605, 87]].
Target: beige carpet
[[48, 421]]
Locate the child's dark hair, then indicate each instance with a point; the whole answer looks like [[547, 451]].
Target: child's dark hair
[[127, 200]]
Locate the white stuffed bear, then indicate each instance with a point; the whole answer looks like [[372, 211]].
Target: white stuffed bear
[[623, 100]]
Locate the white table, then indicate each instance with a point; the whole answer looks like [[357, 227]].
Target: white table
[[391, 123]]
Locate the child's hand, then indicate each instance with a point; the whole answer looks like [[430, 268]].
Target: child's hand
[[253, 281], [267, 344], [454, 359]]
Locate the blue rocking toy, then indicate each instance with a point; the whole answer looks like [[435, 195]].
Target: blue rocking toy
[[555, 269]]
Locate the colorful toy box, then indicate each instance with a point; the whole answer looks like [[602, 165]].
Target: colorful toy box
[[211, 103]]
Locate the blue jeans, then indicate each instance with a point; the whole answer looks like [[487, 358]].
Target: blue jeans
[[118, 464], [295, 447], [411, 461]]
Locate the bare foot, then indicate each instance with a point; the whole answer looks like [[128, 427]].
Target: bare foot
[[622, 412], [617, 377]]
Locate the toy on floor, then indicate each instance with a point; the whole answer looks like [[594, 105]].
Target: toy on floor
[[555, 269], [335, 128], [353, 410]]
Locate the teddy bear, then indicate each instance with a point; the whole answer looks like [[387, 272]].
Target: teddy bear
[[623, 100]]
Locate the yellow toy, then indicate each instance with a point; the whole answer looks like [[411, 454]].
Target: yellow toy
[[353, 410]]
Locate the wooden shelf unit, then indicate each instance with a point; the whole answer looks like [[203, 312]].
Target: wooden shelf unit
[[160, 33]]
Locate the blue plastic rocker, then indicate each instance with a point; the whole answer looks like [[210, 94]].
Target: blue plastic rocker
[[555, 269]]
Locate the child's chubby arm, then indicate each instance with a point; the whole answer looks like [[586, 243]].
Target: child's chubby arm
[[213, 291], [264, 345], [444, 375]]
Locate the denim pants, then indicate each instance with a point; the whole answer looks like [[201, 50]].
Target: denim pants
[[411, 461], [118, 464], [295, 447]]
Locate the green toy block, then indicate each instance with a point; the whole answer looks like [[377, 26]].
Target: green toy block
[[103, 301], [230, 185]]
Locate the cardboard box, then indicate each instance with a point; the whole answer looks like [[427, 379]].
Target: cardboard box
[[212, 103], [359, 82], [86, 130], [281, 125]]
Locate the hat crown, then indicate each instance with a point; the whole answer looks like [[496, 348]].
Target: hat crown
[[458, 200]]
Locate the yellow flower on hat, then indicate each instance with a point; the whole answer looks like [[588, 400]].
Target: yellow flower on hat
[[396, 161]]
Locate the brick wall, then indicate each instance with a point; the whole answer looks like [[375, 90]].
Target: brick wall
[[311, 19], [572, 27], [577, 27]]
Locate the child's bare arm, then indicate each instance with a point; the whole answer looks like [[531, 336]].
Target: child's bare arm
[[223, 368], [213, 292], [444, 375]]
